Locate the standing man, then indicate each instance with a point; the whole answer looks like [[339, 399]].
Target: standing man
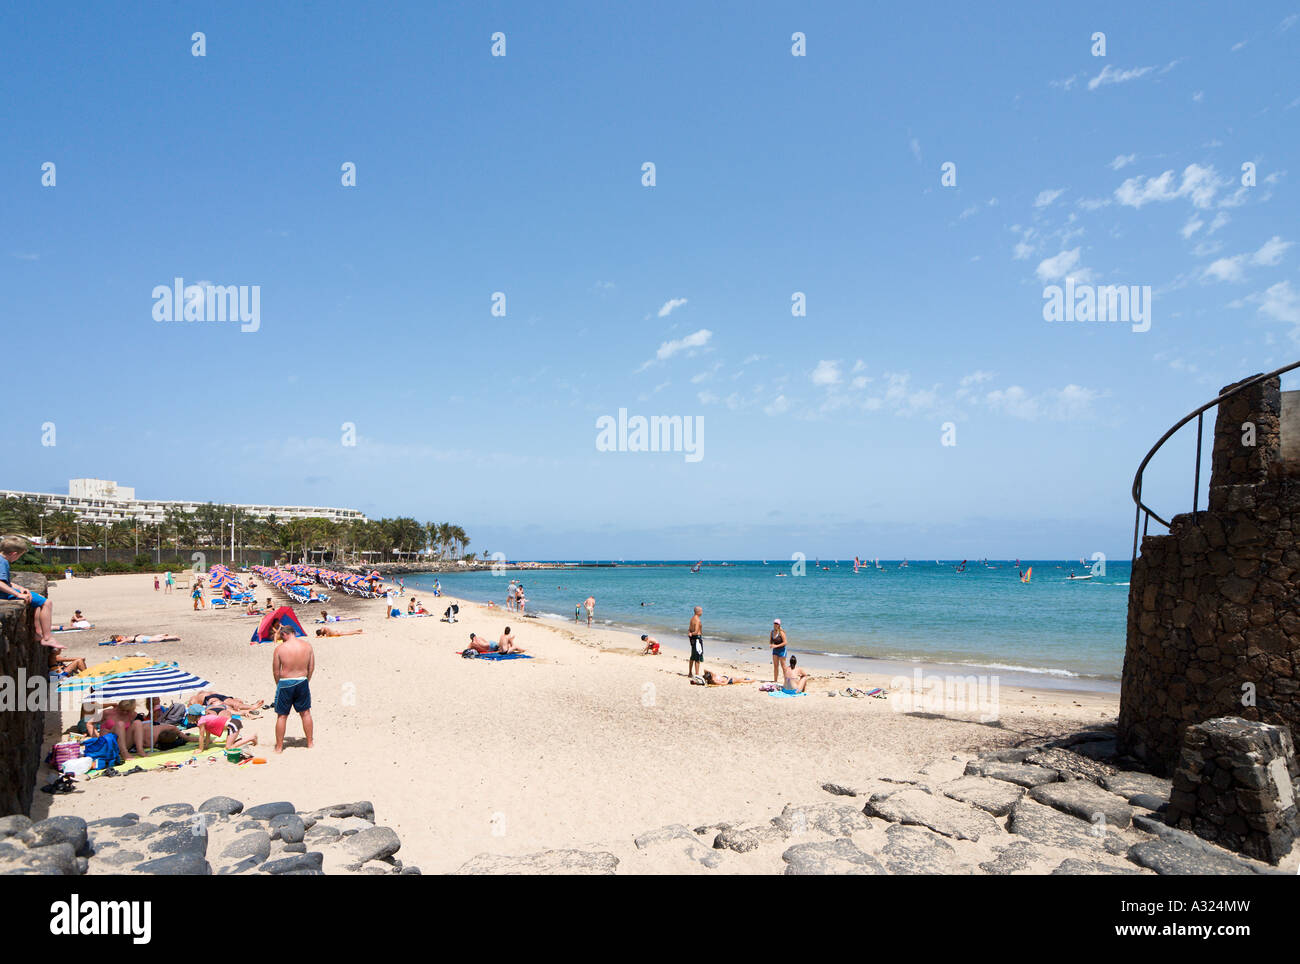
[[695, 632], [292, 665], [591, 608], [777, 642], [510, 597]]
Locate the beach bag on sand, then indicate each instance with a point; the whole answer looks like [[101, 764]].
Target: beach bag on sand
[[62, 753], [103, 750]]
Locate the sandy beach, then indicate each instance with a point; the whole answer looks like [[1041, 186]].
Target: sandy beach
[[587, 745]]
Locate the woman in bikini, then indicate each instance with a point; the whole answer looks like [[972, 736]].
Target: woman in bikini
[[718, 679], [141, 638]]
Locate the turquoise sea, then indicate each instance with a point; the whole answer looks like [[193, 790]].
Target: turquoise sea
[[985, 617]]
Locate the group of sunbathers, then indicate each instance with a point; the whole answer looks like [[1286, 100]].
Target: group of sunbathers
[[506, 644], [208, 714]]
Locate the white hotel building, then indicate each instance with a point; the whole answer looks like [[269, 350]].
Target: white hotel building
[[100, 501]]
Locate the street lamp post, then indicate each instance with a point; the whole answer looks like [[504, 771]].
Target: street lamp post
[[221, 540], [78, 542]]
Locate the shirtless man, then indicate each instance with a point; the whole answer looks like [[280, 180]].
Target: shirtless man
[[292, 666], [696, 634], [331, 631]]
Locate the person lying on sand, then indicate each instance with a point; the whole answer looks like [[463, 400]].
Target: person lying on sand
[[651, 645], [140, 638], [717, 679], [211, 698], [251, 609], [331, 631]]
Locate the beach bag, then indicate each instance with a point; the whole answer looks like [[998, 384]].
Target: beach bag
[[62, 753], [174, 714], [103, 750]]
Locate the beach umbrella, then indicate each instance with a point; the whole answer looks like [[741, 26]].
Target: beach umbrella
[[286, 617], [164, 679], [109, 669], [161, 680]]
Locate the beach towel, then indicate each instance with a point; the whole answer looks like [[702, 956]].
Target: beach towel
[[80, 629], [339, 619], [493, 657], [160, 758], [784, 693]]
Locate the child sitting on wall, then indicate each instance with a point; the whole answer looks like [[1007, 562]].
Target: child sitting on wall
[[11, 548]]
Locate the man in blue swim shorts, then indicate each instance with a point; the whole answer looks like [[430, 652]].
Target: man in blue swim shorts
[[11, 550], [292, 666]]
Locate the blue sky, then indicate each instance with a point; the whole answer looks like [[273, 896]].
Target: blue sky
[[522, 174]]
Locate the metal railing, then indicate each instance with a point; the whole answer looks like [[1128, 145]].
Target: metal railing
[[1139, 522]]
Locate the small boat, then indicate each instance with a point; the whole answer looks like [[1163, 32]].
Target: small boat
[[1077, 578]]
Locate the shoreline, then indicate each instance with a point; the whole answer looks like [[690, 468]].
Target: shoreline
[[1047, 681]]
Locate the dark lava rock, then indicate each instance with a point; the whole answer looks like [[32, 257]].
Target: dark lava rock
[[183, 864], [287, 827], [226, 806], [308, 864], [173, 810], [832, 857], [255, 844], [70, 830], [266, 811]]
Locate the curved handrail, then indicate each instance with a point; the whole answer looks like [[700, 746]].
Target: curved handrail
[[1198, 413]]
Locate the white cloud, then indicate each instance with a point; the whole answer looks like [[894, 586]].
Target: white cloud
[[1022, 251], [669, 305], [1226, 269], [1059, 266], [1198, 184], [707, 398], [1110, 75], [777, 406], [1233, 269], [1271, 251], [670, 348], [1219, 221], [1238, 45], [1192, 226], [1281, 302], [1047, 197], [1122, 160], [1072, 401], [915, 147], [970, 211], [827, 373]]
